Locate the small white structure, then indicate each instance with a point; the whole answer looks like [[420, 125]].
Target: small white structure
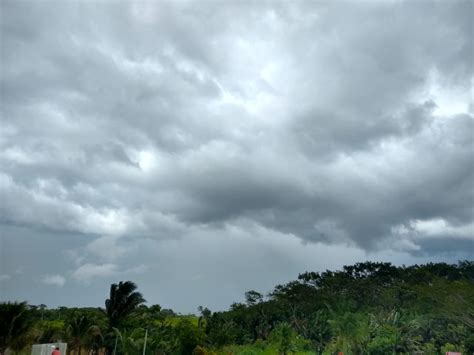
[[47, 349]]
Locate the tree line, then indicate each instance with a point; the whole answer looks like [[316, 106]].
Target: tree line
[[367, 308]]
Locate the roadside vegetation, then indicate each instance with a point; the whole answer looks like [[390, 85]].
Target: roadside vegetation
[[366, 308]]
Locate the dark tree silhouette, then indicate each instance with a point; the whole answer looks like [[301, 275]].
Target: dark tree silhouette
[[15, 326], [122, 302], [81, 331]]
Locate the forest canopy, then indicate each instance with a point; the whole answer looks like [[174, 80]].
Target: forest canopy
[[366, 308]]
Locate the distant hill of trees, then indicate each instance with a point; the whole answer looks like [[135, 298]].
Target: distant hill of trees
[[366, 308]]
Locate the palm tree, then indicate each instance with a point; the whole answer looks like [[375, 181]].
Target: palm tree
[[81, 331], [123, 300], [15, 326]]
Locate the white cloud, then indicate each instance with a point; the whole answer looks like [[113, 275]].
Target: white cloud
[[90, 271], [439, 228], [5, 277], [56, 280], [449, 99], [139, 269]]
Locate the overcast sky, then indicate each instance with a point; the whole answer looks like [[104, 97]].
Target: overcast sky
[[206, 148]]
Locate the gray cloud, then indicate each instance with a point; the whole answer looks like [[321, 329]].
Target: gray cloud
[[133, 132]]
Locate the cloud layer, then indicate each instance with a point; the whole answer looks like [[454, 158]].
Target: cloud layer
[[133, 132]]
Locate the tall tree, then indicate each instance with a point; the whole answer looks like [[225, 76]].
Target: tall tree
[[123, 301], [15, 326], [81, 331]]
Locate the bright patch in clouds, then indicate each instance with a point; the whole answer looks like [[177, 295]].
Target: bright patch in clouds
[[146, 160], [450, 99], [89, 271], [55, 280], [5, 277]]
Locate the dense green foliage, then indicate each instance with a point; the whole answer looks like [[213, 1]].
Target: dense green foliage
[[15, 325], [366, 308], [122, 302]]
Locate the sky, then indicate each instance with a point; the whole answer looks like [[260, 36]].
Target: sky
[[206, 148]]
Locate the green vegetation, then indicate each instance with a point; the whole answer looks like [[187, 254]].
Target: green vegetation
[[366, 308]]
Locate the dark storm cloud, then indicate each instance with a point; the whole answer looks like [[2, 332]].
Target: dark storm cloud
[[143, 128]]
